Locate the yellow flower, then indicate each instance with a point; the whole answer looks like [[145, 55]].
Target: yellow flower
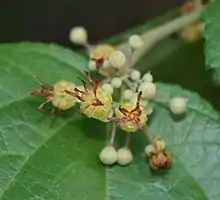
[[99, 106], [102, 51], [56, 95], [100, 54], [60, 99], [95, 102], [131, 116]]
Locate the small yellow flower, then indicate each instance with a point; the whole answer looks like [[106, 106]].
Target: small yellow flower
[[100, 55], [131, 116], [56, 95], [95, 102], [102, 51], [60, 99]]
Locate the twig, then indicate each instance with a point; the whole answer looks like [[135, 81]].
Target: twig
[[153, 36]]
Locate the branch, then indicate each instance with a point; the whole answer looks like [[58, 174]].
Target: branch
[[151, 37]]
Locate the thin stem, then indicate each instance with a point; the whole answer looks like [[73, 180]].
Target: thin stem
[[112, 135], [151, 37], [129, 84], [88, 48], [127, 140]]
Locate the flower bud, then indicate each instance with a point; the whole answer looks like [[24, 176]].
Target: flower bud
[[117, 59], [108, 88], [116, 82], [128, 94], [135, 75], [92, 65], [178, 105], [150, 149], [108, 155], [148, 90], [135, 41], [78, 35], [124, 156], [148, 77]]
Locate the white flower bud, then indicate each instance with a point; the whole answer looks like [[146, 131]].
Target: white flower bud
[[148, 90], [148, 77], [149, 111], [92, 65], [124, 156], [145, 103], [116, 82], [108, 88], [135, 41], [135, 75], [108, 155], [128, 94], [150, 149], [178, 105], [78, 35], [106, 64], [117, 59]]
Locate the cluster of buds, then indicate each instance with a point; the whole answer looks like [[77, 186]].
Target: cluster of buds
[[159, 157], [95, 97], [194, 31]]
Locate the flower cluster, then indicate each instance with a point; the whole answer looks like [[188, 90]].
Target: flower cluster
[[159, 157], [130, 112]]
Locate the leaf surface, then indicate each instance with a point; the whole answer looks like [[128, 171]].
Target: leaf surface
[[57, 158]]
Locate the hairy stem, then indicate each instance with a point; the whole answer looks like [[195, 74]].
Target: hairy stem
[[153, 36]]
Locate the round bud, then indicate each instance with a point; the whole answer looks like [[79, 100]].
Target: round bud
[[150, 149], [128, 94], [149, 110], [78, 35], [117, 59], [178, 105], [160, 143], [106, 64], [148, 90], [116, 82], [92, 65], [108, 88], [135, 41], [145, 103], [108, 155], [148, 77], [124, 156], [135, 75]]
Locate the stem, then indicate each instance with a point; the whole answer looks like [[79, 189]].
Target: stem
[[127, 140], [153, 36], [112, 135], [129, 84]]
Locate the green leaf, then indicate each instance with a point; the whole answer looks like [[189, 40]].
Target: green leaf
[[212, 37], [48, 158], [194, 141]]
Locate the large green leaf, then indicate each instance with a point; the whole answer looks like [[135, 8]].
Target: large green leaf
[[211, 17], [56, 158]]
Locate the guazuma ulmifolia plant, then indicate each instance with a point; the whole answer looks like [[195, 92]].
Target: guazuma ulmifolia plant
[[130, 112]]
